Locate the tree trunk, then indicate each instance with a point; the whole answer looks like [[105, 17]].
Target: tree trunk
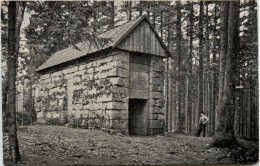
[[173, 94], [94, 18], [148, 15], [214, 71], [223, 53], [178, 27], [15, 16], [185, 98], [11, 65], [140, 8], [161, 24], [130, 10], [5, 113], [252, 109], [208, 73], [224, 136], [189, 107], [201, 57], [112, 22], [168, 93], [243, 117], [154, 19], [256, 124]]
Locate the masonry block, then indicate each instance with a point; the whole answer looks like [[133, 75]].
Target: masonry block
[[138, 94], [122, 72], [161, 116], [117, 105], [45, 76], [139, 67], [117, 81], [40, 115], [156, 87], [118, 124], [157, 95], [70, 70], [57, 73], [120, 97], [68, 76], [121, 64], [155, 110], [119, 89], [45, 81], [104, 98], [121, 57], [154, 74], [156, 123], [159, 103], [114, 114], [153, 116], [50, 85], [156, 81]]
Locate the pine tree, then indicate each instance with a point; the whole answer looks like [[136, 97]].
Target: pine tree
[[200, 35], [224, 136], [179, 40]]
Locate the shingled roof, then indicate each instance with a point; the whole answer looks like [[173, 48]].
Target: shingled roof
[[114, 36]]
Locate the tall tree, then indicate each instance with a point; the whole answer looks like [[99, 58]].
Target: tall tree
[[179, 37], [189, 107], [224, 136], [214, 71], [246, 112], [15, 17], [207, 77], [4, 55], [64, 21], [224, 13], [201, 97], [11, 65]]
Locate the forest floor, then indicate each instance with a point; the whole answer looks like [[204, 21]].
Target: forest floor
[[57, 145]]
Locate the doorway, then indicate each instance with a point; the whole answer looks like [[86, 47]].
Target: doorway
[[137, 117]]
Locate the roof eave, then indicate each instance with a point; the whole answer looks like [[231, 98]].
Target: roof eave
[[105, 49]]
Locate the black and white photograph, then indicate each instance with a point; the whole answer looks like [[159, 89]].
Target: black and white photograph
[[103, 82]]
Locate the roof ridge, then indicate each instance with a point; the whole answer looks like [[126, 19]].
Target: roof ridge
[[122, 24], [128, 22], [117, 35]]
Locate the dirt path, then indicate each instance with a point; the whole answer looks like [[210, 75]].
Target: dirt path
[[57, 145]]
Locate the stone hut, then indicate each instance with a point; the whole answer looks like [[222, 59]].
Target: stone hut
[[116, 88]]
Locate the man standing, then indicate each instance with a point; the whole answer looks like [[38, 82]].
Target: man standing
[[202, 124]]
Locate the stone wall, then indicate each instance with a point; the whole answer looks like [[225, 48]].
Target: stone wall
[[95, 92], [146, 94], [92, 94], [156, 100], [138, 93]]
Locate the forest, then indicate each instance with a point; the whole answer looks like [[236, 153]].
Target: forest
[[213, 68]]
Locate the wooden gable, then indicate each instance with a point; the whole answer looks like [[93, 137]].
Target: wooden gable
[[143, 39], [137, 35]]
